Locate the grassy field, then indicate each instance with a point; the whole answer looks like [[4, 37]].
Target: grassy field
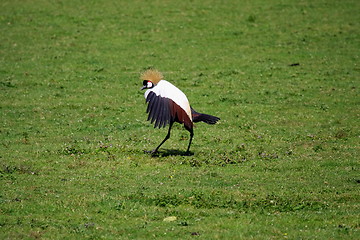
[[283, 163]]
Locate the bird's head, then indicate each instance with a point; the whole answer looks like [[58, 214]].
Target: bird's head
[[150, 78], [147, 85]]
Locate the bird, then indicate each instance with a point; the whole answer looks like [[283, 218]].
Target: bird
[[167, 104]]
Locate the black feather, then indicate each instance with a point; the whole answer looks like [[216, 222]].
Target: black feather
[[201, 117], [150, 99], [158, 110], [162, 115], [158, 113], [153, 108]]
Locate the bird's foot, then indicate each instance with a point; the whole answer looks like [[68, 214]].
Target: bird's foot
[[188, 153], [152, 152]]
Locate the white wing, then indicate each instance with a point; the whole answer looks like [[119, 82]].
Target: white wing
[[165, 89]]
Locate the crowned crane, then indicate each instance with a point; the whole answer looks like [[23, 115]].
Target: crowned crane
[[168, 104]]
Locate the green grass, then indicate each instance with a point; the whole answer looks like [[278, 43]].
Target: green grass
[[283, 162]]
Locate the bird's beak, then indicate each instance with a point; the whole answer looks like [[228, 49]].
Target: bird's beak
[[143, 87]]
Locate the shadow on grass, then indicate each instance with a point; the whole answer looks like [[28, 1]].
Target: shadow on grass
[[170, 152]]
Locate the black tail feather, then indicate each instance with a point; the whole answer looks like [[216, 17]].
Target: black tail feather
[[201, 117]]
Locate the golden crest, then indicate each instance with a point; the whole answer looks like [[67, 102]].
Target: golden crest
[[152, 75]]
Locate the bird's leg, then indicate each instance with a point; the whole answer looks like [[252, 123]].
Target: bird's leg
[[166, 138], [191, 137]]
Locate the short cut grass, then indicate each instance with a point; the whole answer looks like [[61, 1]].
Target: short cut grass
[[283, 162]]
